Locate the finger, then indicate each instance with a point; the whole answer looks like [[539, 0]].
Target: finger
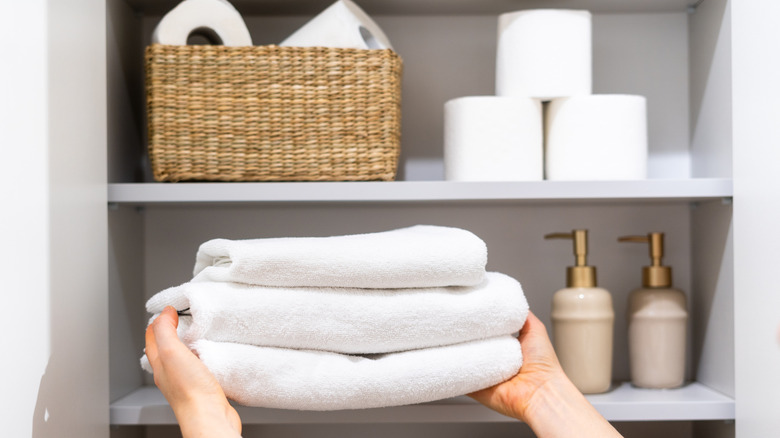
[[533, 325], [171, 315], [485, 394], [482, 396], [529, 321], [151, 347], [164, 328], [174, 314], [532, 319], [491, 397]]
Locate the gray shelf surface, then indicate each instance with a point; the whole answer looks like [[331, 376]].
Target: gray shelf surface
[[694, 401]]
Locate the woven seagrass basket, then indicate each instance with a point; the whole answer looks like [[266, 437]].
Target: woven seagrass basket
[[270, 113]]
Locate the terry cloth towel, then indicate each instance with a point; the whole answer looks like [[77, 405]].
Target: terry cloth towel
[[317, 380], [418, 256], [346, 320]]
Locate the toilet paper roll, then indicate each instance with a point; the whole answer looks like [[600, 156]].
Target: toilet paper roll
[[597, 137], [491, 138], [217, 19], [343, 24], [544, 53]]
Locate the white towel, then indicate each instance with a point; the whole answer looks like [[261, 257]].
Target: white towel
[[316, 380], [346, 320], [418, 256]]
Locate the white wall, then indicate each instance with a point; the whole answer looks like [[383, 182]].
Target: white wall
[[24, 188]]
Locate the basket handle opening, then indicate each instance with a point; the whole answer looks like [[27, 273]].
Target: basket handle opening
[[369, 38], [203, 36]]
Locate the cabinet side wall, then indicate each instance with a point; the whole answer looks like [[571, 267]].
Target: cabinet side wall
[[712, 313], [710, 97], [74, 391], [756, 43]]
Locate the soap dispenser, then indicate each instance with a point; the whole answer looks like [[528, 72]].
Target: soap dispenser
[[657, 321], [583, 322]]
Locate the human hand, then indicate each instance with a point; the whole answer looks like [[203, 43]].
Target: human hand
[[541, 395], [197, 399], [540, 368]]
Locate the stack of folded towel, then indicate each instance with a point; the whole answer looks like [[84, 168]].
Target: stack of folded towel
[[347, 322]]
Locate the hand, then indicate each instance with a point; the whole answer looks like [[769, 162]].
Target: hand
[[198, 401], [541, 395], [540, 369]]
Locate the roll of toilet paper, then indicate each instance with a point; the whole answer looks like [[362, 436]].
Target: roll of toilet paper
[[217, 19], [343, 24], [544, 53], [491, 138], [596, 137]]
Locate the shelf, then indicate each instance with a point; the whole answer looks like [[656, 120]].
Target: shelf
[[147, 406], [309, 7], [411, 191], [693, 401]]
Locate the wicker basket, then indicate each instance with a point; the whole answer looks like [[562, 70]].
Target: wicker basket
[[269, 113]]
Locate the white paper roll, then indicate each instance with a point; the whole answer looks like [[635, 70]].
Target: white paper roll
[[342, 24], [216, 18], [597, 137], [544, 53], [490, 138]]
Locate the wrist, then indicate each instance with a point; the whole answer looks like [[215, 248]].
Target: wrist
[[554, 392], [558, 409], [208, 419]]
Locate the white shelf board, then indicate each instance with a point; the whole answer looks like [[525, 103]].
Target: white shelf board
[[147, 406], [693, 401], [410, 191]]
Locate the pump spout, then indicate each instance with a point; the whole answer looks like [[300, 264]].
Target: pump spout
[[579, 275], [655, 275]]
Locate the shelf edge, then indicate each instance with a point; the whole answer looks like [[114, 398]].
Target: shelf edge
[[146, 406], [413, 191]]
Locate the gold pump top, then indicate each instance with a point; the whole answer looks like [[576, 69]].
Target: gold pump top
[[579, 275], [655, 275]]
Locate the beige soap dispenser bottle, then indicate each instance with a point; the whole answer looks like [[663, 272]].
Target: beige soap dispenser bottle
[[583, 322], [657, 321]]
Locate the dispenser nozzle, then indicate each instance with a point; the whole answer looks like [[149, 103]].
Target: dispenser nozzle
[[655, 275], [579, 275], [580, 238]]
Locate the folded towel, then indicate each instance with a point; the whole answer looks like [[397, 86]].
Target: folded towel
[[346, 320], [317, 380], [418, 256]]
